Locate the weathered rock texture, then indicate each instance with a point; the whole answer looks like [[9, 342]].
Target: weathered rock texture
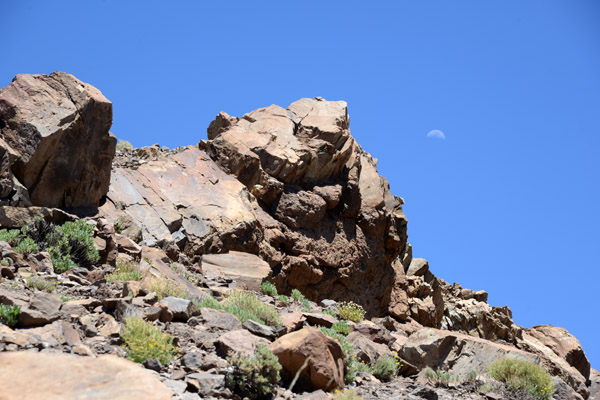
[[290, 185], [337, 227], [55, 145], [31, 375]]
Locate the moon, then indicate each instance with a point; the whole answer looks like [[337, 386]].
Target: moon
[[436, 134]]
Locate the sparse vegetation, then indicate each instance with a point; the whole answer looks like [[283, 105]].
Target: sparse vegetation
[[9, 315], [330, 312], [124, 145], [42, 284], [439, 378], [144, 341], [347, 394], [4, 262], [351, 366], [268, 288], [167, 288], [245, 306], [351, 311], [126, 271], [283, 298], [341, 327], [523, 376], [385, 367], [70, 245], [297, 295], [192, 277], [254, 377]]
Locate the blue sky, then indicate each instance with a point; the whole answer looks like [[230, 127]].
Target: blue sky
[[506, 203]]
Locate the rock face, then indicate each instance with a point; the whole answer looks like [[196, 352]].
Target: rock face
[[55, 145], [335, 227], [289, 185], [564, 345], [63, 376]]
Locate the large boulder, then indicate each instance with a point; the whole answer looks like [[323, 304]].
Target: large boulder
[[323, 356], [555, 364], [32, 375], [456, 352], [55, 145], [564, 345]]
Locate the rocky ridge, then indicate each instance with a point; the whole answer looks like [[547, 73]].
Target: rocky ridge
[[279, 195]]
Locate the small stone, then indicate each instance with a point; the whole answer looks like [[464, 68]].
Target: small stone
[[192, 361], [328, 303], [153, 364]]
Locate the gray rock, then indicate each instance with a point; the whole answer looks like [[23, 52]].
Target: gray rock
[[328, 303], [418, 267], [219, 320], [43, 308], [192, 360], [180, 309], [206, 383], [153, 364], [261, 330]]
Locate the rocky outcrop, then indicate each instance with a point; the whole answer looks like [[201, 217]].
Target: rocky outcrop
[[336, 227], [304, 197], [55, 145], [456, 352], [564, 345]]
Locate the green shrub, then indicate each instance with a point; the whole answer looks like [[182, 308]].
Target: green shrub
[[439, 378], [245, 306], [341, 327], [208, 302], [254, 377], [283, 298], [297, 295], [144, 341], [268, 288], [385, 367], [27, 246], [351, 366], [330, 312], [41, 284], [351, 311], [124, 145], [523, 376], [9, 315], [126, 271], [75, 241], [167, 288], [5, 262], [11, 236]]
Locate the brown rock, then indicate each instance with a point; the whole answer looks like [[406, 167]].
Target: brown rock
[[457, 353], [65, 376], [219, 320], [240, 342], [330, 211], [42, 309], [554, 364], [293, 320], [325, 367], [367, 350], [564, 345], [56, 140], [247, 270]]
